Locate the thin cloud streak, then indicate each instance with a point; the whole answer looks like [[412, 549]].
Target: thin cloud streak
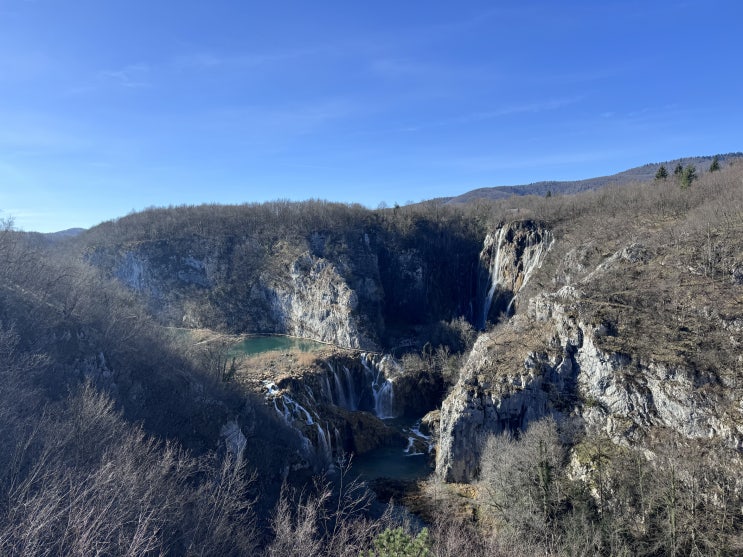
[[205, 60], [131, 76]]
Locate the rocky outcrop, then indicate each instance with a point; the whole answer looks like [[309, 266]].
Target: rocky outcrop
[[488, 401], [623, 394], [316, 302]]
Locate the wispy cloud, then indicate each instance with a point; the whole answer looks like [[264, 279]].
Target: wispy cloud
[[509, 110], [206, 60], [131, 76]]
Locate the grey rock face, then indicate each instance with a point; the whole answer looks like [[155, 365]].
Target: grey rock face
[[308, 297], [318, 303], [610, 391], [234, 438], [480, 406], [575, 373]]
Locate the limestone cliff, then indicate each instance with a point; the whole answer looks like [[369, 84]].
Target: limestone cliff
[[338, 274], [295, 293], [315, 302], [622, 366]]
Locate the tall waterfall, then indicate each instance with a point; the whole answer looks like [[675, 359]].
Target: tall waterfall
[[495, 275], [513, 252]]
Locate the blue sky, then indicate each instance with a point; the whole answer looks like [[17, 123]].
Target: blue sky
[[110, 106]]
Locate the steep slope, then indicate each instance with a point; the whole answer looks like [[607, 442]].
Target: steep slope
[[633, 327], [335, 273]]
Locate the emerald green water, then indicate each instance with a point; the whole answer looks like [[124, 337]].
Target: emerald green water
[[274, 343]]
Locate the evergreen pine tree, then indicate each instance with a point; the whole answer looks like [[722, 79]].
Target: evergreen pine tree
[[688, 175], [715, 166], [662, 173]]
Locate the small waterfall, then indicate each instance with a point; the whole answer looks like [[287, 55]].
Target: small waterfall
[[382, 388], [341, 394], [384, 398], [416, 436], [325, 385], [299, 418], [353, 403], [340, 398], [338, 439], [323, 443]]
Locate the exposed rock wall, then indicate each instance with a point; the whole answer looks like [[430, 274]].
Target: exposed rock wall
[[316, 302], [352, 288], [561, 358], [296, 293], [485, 403]]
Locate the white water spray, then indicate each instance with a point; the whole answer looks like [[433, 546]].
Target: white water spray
[[495, 275]]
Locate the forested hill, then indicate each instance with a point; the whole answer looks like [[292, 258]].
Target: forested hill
[[334, 272], [633, 175]]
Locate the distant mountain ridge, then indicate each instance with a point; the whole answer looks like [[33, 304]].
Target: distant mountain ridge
[[637, 174], [62, 234]]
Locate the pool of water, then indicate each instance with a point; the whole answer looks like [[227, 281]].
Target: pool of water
[[390, 462], [274, 343], [396, 463]]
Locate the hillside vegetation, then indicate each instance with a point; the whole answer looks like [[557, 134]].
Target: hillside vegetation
[[238, 268], [118, 440], [639, 174]]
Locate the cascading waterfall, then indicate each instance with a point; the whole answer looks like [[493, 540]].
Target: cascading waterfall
[[324, 443], [325, 385], [299, 418], [417, 439], [340, 393], [353, 402], [384, 397], [382, 388], [354, 388]]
